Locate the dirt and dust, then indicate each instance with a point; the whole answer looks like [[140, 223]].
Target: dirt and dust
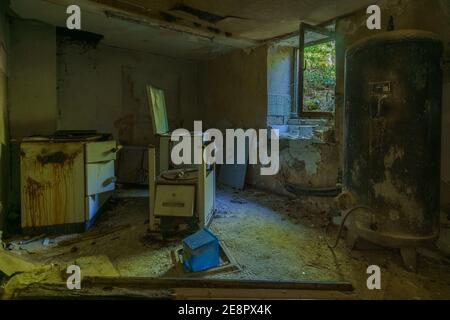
[[271, 237]]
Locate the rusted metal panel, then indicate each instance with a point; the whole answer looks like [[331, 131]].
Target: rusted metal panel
[[392, 135], [101, 151], [52, 184], [100, 177]]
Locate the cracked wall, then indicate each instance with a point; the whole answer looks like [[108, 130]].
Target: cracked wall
[[59, 83], [235, 93], [307, 163], [113, 85]]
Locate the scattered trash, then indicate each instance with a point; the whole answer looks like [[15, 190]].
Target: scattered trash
[[27, 241], [11, 246], [201, 251], [93, 235], [227, 263], [11, 264], [96, 266]]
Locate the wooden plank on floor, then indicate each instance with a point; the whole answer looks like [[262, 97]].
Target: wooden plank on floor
[[42, 291], [160, 283], [93, 235], [259, 294], [51, 291]]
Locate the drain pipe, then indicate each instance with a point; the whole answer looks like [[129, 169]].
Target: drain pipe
[[341, 226], [330, 192]]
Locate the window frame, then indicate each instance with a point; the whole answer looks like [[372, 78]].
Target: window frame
[[299, 58]]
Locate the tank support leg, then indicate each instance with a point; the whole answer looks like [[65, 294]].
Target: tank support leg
[[409, 256], [351, 239]]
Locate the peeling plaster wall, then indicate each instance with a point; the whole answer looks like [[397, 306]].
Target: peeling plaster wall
[[59, 83], [429, 15], [280, 84], [32, 95], [4, 150], [32, 85], [235, 94], [104, 88], [233, 90], [306, 163], [226, 99], [309, 163]]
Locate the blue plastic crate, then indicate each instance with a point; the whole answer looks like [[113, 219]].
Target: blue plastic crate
[[201, 251]]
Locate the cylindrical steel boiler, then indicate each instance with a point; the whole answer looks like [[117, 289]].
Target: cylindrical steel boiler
[[393, 93]]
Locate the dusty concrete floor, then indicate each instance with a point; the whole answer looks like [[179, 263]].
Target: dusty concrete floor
[[271, 237]]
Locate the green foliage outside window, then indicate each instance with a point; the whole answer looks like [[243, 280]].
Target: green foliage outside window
[[320, 77]]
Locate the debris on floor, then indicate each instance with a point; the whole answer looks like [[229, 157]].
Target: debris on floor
[[11, 264], [50, 274], [96, 266], [93, 235], [226, 265], [201, 251], [266, 238]]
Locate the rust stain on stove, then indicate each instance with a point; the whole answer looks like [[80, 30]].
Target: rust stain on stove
[[50, 178]]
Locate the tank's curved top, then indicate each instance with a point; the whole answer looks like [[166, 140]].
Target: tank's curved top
[[394, 36]]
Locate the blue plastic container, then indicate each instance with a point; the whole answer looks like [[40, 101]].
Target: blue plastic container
[[201, 251]]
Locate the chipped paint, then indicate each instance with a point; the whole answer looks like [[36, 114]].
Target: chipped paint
[[409, 209], [52, 185], [303, 151], [392, 156], [305, 163]]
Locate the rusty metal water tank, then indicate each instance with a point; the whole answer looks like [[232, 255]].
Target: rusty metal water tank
[[393, 92]]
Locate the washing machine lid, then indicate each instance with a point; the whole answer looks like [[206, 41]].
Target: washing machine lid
[[157, 105]]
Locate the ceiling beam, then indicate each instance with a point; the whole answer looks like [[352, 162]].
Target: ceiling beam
[[138, 14]]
